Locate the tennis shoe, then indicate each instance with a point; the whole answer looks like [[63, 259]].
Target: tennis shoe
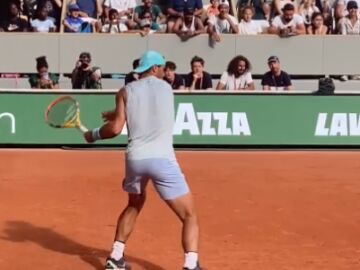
[[196, 268], [112, 264]]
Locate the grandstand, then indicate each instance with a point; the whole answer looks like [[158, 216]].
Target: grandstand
[[305, 57]]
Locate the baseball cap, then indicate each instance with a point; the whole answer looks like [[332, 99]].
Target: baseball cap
[[352, 5], [149, 59], [273, 58], [74, 7]]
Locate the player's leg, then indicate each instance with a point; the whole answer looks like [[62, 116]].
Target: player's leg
[[125, 225], [173, 189], [135, 184], [184, 208]]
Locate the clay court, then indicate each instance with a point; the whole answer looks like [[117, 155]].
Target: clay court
[[258, 210]]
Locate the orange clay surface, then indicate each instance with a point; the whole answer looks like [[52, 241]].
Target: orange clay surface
[[257, 210]]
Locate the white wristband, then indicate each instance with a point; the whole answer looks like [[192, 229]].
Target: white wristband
[[96, 134]]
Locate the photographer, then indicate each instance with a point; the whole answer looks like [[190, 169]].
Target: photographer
[[84, 76], [43, 79]]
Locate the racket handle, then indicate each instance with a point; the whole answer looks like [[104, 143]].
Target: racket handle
[[82, 128]]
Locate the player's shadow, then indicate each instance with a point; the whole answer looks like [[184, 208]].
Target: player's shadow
[[20, 231]]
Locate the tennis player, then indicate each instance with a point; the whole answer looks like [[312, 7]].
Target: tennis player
[[147, 107]]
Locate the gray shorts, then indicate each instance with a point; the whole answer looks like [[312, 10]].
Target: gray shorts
[[165, 174]]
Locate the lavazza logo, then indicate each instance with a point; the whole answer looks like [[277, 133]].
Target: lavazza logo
[[10, 119], [210, 123], [338, 124]]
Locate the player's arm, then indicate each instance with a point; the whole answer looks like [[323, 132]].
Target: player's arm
[[115, 123]]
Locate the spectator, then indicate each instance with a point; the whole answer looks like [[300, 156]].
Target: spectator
[[188, 26], [350, 24], [275, 79], [306, 9], [176, 9], [213, 9], [157, 17], [14, 23], [198, 78], [29, 8], [42, 23], [54, 10], [260, 8], [317, 26], [147, 17], [114, 26], [280, 4], [43, 79], [237, 76], [125, 9], [73, 23], [247, 26], [145, 26], [84, 76], [132, 76], [175, 80], [288, 24], [89, 8], [224, 23]]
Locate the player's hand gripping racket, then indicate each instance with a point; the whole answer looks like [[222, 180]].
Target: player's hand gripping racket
[[64, 112]]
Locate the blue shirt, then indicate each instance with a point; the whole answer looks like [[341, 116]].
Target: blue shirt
[[181, 5], [87, 6], [74, 22]]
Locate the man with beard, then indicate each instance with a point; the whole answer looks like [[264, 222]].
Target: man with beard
[[288, 24], [224, 23], [275, 79], [188, 26], [237, 76]]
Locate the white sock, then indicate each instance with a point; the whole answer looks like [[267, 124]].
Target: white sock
[[118, 250], [191, 259]]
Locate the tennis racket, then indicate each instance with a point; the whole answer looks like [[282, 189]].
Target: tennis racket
[[64, 112]]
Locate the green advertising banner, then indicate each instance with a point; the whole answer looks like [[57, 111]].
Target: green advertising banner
[[200, 119]]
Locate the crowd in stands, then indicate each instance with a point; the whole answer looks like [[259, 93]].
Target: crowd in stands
[[187, 18], [236, 77]]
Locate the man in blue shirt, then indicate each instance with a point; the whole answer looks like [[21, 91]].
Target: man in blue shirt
[[91, 8]]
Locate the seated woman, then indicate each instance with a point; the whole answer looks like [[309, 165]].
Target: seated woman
[[188, 26], [43, 23], [317, 26], [43, 79], [237, 76]]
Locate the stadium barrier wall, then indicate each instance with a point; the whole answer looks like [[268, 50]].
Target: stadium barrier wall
[[301, 55], [201, 119]]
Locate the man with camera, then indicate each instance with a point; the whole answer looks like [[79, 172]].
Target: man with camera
[[85, 76]]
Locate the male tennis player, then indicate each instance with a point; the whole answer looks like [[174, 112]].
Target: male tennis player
[[147, 106]]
